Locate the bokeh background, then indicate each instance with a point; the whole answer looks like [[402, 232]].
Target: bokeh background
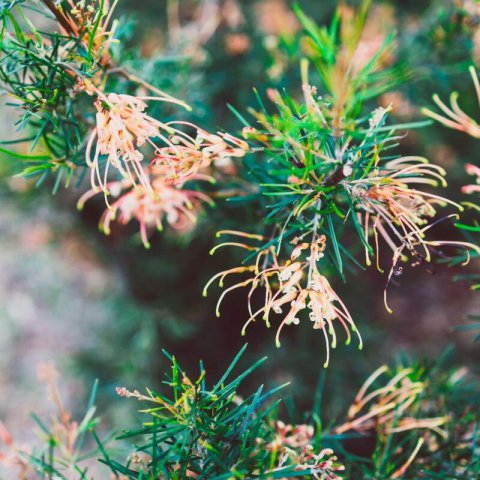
[[103, 307]]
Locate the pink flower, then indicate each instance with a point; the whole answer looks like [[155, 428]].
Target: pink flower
[[472, 170], [163, 203], [122, 127]]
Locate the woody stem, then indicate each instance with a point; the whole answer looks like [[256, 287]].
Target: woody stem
[[316, 224], [58, 15]]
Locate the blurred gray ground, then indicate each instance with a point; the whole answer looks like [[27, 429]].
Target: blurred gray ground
[[52, 299], [56, 300]]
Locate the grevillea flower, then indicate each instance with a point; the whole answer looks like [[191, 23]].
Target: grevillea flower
[[154, 192], [186, 156], [389, 408], [293, 446], [122, 127], [453, 116], [472, 170], [90, 22], [166, 203], [391, 208], [289, 288]]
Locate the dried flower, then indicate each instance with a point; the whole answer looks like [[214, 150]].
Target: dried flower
[[293, 444], [388, 409]]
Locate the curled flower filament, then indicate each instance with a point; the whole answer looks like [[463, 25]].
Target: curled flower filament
[[389, 408], [453, 116], [289, 288]]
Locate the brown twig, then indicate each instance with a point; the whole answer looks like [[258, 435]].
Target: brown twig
[[58, 15]]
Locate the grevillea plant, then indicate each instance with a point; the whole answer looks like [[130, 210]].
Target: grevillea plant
[[322, 167], [328, 175], [75, 125], [196, 430]]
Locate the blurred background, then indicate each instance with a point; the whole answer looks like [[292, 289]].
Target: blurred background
[[104, 307]]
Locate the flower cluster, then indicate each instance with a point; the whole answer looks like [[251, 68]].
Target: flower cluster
[[389, 206], [90, 23], [294, 286], [392, 208], [293, 446], [453, 116], [388, 409], [153, 192]]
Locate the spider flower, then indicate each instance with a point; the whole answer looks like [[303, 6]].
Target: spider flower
[[453, 116], [472, 170], [293, 446], [187, 156], [390, 408], [399, 213], [289, 288], [392, 208], [177, 207], [89, 22], [291, 436], [123, 128]]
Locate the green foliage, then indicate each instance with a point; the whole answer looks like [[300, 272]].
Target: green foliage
[[205, 432], [328, 175]]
